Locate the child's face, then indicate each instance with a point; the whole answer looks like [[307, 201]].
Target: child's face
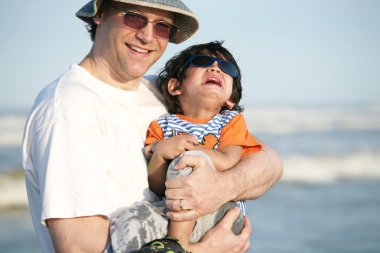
[[206, 86]]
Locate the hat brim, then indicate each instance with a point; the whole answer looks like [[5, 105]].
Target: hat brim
[[184, 19]]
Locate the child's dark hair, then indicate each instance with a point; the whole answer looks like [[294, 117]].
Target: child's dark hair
[[175, 68]]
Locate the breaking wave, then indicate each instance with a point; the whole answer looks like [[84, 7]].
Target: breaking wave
[[291, 119], [12, 190], [331, 168], [11, 128]]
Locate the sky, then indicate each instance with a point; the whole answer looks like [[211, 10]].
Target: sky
[[293, 52]]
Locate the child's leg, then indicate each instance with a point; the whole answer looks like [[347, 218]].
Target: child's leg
[[181, 230]]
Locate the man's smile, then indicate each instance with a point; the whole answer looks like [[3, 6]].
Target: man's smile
[[138, 49]]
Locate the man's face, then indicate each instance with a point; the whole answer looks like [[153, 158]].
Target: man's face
[[128, 53]]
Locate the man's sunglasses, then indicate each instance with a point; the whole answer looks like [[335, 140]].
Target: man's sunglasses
[[138, 21], [205, 61]]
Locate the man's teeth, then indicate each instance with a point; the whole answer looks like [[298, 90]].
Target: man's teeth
[[140, 50]]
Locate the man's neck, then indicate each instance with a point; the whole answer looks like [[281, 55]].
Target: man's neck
[[105, 75]]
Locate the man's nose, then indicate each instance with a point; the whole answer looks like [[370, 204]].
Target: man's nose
[[146, 34]]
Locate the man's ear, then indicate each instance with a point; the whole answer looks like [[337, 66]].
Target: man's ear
[[174, 87], [229, 104], [97, 18]]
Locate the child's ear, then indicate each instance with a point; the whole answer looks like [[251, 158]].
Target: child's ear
[[174, 87], [229, 104]]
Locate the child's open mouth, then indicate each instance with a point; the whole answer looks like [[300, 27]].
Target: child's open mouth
[[213, 81]]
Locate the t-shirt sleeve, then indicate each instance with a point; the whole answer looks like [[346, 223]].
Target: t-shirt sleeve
[[71, 160], [235, 133], [154, 133]]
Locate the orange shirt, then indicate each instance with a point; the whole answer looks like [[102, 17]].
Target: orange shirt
[[232, 131]]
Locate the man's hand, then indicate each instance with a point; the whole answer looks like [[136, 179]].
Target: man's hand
[[80, 235], [205, 190], [202, 192], [220, 239]]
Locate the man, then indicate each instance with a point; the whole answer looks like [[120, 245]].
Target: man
[[83, 139]]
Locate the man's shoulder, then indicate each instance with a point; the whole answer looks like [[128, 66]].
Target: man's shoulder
[[65, 94], [70, 76]]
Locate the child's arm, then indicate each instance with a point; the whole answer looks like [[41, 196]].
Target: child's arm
[[224, 158], [164, 151], [235, 141]]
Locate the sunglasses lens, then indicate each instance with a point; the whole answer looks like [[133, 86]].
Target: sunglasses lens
[[206, 61], [164, 30], [229, 68], [202, 61], [135, 20]]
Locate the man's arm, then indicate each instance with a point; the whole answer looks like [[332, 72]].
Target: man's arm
[[223, 159], [205, 190], [82, 234], [255, 174]]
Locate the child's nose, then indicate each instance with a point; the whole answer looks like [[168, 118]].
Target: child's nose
[[214, 67]]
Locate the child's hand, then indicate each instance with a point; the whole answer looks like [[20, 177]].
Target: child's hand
[[149, 149], [174, 146]]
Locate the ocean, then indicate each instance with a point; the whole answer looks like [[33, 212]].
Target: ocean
[[328, 199]]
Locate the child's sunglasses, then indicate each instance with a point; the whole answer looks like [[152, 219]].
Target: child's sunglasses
[[138, 21], [205, 61]]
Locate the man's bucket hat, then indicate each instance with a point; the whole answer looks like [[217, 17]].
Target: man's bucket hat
[[184, 19]]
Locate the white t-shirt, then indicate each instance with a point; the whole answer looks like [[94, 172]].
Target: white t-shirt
[[82, 148]]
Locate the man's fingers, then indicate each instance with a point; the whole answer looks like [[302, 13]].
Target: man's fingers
[[230, 217], [246, 246], [172, 186], [247, 229], [183, 216], [178, 204], [246, 233]]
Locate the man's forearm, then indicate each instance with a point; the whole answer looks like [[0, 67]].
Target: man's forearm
[[253, 175], [204, 190]]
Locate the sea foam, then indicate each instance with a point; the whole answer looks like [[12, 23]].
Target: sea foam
[[331, 168], [291, 119], [12, 190], [11, 128]]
